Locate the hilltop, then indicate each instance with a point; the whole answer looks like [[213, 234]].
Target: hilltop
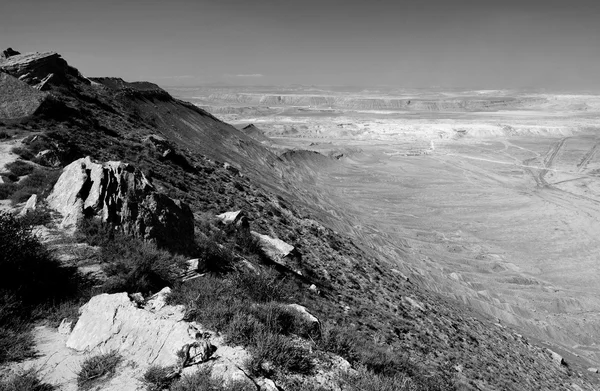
[[389, 326]]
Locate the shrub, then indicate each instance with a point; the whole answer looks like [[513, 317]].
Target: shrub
[[263, 288], [23, 153], [340, 340], [272, 349], [365, 380], [25, 381], [40, 181], [202, 380], [215, 258], [134, 265], [20, 168], [95, 367], [39, 216], [29, 269], [94, 232], [32, 281], [16, 338], [385, 362], [7, 189], [158, 378]]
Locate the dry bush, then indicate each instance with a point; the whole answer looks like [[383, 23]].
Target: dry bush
[[96, 367]]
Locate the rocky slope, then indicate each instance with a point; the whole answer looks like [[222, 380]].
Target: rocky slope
[[188, 154]]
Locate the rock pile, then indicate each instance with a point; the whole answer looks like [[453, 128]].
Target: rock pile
[[119, 194]]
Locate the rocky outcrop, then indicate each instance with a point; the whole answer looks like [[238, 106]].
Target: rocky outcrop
[[119, 194], [40, 70], [8, 53], [155, 335], [113, 322]]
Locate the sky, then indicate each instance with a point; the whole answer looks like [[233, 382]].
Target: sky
[[414, 44]]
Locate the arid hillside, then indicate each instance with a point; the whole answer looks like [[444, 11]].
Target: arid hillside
[[393, 331]]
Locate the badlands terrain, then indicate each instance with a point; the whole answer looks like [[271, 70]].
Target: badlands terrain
[[493, 196], [327, 240]]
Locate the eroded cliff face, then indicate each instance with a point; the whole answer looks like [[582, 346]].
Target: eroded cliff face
[[375, 103]]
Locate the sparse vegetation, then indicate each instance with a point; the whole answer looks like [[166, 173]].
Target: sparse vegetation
[[133, 265], [202, 380], [25, 381], [31, 283], [97, 367], [39, 181], [20, 168], [158, 378]]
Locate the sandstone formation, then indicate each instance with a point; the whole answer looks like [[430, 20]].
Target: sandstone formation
[[120, 195], [156, 335], [39, 69], [110, 322]]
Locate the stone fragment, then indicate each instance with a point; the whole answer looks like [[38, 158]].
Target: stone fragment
[[303, 313], [237, 218], [157, 301], [557, 358], [30, 206], [275, 249], [65, 327]]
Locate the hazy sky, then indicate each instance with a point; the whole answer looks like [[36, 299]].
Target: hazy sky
[[419, 43]]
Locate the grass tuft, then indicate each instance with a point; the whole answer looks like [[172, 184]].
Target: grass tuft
[[202, 380], [157, 378], [96, 367]]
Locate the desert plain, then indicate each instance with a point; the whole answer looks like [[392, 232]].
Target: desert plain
[[490, 197]]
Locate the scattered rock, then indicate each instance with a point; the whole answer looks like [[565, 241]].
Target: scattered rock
[[30, 205], [266, 385], [158, 300], [237, 218], [65, 327], [275, 249], [303, 314], [48, 158], [194, 266], [137, 298], [593, 370], [414, 303], [557, 358], [121, 195]]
